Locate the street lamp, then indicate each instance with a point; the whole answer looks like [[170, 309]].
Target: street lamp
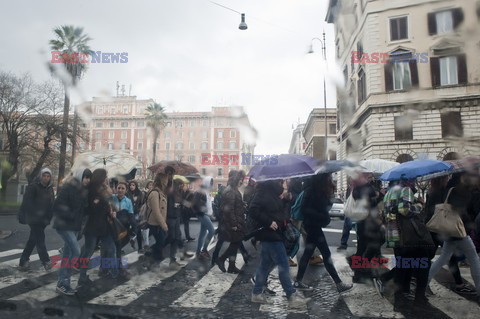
[[324, 56]]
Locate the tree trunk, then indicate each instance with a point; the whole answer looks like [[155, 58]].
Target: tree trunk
[[63, 141], [74, 135]]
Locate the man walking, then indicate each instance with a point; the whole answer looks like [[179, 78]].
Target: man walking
[[36, 212]]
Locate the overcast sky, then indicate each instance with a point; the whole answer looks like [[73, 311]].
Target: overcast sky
[[189, 55]]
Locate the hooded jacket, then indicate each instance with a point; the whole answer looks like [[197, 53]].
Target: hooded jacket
[[266, 207], [36, 208], [232, 210], [202, 200], [136, 197], [69, 206]]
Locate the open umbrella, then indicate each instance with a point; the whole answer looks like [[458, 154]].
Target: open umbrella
[[333, 166], [116, 163], [180, 168], [285, 166], [181, 178], [459, 166], [377, 165], [414, 169]]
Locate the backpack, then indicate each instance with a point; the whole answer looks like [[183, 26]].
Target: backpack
[[296, 210], [144, 213]]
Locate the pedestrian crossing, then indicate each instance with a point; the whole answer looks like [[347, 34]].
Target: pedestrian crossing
[[212, 286]]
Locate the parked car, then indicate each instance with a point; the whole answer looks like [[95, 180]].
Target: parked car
[[337, 208]]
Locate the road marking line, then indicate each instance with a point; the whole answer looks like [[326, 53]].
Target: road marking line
[[10, 252], [14, 262], [208, 291], [331, 230]]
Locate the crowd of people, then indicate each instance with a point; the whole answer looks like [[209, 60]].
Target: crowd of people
[[273, 214]]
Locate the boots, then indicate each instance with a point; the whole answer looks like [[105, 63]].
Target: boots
[[232, 269], [221, 264]]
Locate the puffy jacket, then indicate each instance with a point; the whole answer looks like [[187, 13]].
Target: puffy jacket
[[233, 215], [37, 204], [69, 206], [266, 207], [98, 211]]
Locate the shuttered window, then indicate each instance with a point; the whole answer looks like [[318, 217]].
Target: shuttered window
[[451, 124], [398, 28], [444, 21], [450, 70]]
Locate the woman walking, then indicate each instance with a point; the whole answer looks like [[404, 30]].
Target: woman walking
[[202, 207]]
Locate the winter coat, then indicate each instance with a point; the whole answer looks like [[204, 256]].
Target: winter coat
[[315, 211], [202, 200], [69, 206], [37, 204], [98, 211], [157, 202], [233, 215], [266, 207], [137, 199]]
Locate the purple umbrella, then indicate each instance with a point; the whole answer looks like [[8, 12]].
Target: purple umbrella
[[283, 166]]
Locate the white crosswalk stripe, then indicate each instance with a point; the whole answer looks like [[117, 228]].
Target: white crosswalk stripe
[[10, 252], [208, 290]]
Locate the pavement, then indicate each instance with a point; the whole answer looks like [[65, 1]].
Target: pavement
[[199, 291]]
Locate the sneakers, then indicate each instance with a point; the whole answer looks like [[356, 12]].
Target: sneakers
[[64, 290], [203, 255], [190, 239], [47, 265], [316, 260], [378, 284], [221, 265], [342, 287], [85, 282], [465, 289], [232, 269], [342, 247], [301, 286], [266, 290], [296, 300], [292, 262], [24, 266], [174, 265], [186, 254], [260, 298]]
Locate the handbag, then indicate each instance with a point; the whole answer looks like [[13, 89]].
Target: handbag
[[356, 210], [291, 233], [119, 231], [446, 220], [413, 232]]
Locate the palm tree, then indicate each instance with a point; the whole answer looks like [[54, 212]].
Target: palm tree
[[69, 39], [155, 115]]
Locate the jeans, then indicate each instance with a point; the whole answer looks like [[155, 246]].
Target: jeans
[[317, 240], [347, 227], [145, 237], [108, 250], [157, 249], [273, 254], [36, 239], [402, 276], [174, 237], [186, 225], [71, 250], [204, 238], [468, 248]]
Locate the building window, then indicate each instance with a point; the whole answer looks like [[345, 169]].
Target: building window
[[361, 87], [110, 146], [124, 134], [204, 171], [111, 134], [112, 124], [332, 155], [451, 124], [99, 124], [205, 123], [167, 146], [123, 146], [192, 123], [220, 172], [204, 145], [232, 145], [444, 21], [398, 28], [112, 110], [168, 124], [192, 145], [179, 146], [220, 134], [140, 124], [191, 159], [140, 134], [402, 79], [179, 123], [139, 157], [204, 134], [167, 157], [139, 146], [191, 134], [233, 133], [180, 134], [167, 134], [125, 109], [449, 70], [98, 145], [124, 124], [98, 135], [402, 158], [332, 128], [220, 145], [403, 128]]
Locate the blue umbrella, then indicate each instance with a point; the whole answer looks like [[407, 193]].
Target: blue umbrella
[[414, 169], [283, 166]]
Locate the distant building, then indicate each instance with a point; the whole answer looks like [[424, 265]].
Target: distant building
[[298, 143], [420, 97], [314, 134], [119, 123]]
